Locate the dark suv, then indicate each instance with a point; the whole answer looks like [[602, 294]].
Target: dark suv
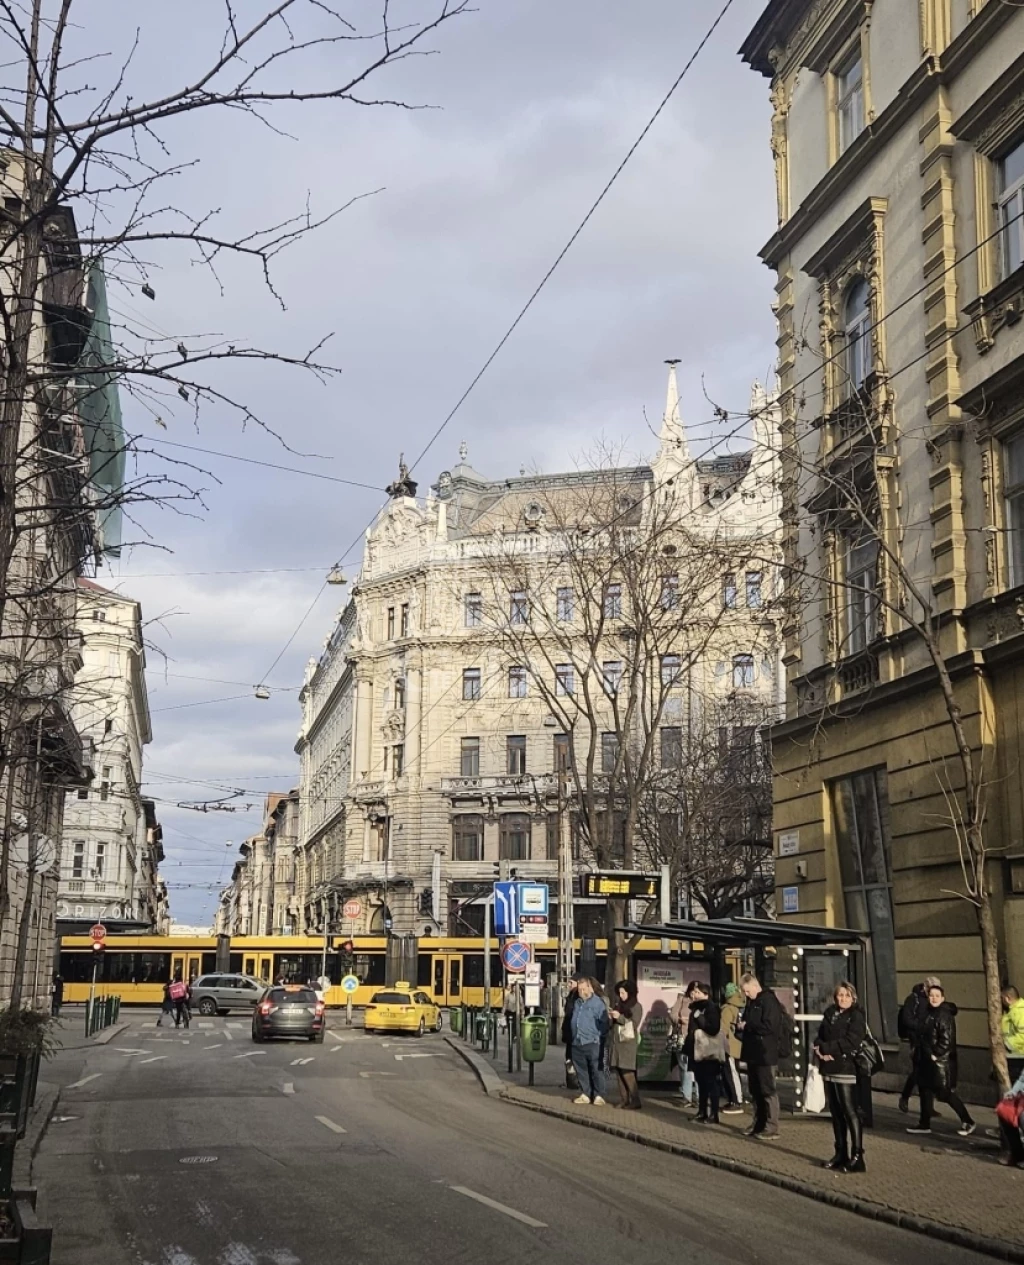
[[217, 994], [289, 1010]]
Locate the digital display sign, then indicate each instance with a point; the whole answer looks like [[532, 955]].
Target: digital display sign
[[623, 885]]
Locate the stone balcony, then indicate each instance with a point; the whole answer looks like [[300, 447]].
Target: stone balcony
[[525, 786]]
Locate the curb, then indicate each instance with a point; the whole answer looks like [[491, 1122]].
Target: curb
[[998, 1248], [47, 1097], [489, 1079], [100, 1038]]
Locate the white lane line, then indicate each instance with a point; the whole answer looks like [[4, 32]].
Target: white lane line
[[329, 1124], [334, 1049], [493, 1203], [122, 1049], [155, 1059], [289, 1087], [230, 1035], [333, 1035], [301, 1062], [84, 1081], [205, 1023], [250, 1054], [213, 1047]]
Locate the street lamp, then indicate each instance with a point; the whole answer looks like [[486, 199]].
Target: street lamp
[[261, 692], [336, 576]]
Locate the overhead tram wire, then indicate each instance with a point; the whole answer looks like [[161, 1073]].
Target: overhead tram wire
[[529, 302]]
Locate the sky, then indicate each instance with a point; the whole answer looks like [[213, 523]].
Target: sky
[[532, 107]]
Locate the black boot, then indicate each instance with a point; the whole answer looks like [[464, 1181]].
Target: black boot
[[856, 1164], [838, 1162]]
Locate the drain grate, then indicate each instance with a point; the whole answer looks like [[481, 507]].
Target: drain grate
[[198, 1159]]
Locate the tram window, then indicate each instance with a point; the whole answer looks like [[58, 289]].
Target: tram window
[[152, 968], [209, 961], [235, 964], [423, 975], [370, 967], [473, 970], [76, 968]]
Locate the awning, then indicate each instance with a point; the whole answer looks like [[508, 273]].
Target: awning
[[748, 933]]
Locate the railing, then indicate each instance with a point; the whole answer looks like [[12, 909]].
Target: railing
[[859, 674], [525, 783], [100, 1013]]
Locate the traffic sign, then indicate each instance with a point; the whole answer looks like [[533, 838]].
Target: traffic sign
[[515, 955], [352, 909], [98, 931], [533, 899], [533, 973], [535, 932], [349, 984], [506, 909]]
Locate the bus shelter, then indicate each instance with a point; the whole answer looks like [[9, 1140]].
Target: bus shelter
[[801, 963]]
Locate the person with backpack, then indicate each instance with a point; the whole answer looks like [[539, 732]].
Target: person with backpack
[[179, 994], [911, 1019], [766, 1036]]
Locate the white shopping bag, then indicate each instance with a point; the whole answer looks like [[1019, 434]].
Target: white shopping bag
[[814, 1092]]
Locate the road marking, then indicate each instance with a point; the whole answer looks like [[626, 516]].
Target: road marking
[[301, 1062], [121, 1049], [329, 1124], [249, 1054], [333, 1035], [399, 1057], [213, 1047], [289, 1087], [334, 1049], [205, 1023], [84, 1081], [367, 1075], [493, 1203], [230, 1035], [155, 1059]]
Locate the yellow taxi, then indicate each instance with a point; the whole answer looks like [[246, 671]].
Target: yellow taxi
[[402, 1008]]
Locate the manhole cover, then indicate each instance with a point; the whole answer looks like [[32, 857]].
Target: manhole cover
[[198, 1159]]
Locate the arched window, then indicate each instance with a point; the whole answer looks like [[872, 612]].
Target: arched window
[[468, 837], [857, 335], [514, 838]]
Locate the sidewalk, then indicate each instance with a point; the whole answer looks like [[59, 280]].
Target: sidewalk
[[942, 1185]]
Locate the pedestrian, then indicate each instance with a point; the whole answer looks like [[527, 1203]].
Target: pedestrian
[[589, 1028], [166, 1006], [938, 1064], [908, 1025], [732, 1011], [1013, 1030], [704, 1048], [179, 996], [571, 998], [766, 1036], [1010, 1114], [840, 1036], [56, 994], [625, 1033], [687, 1080]]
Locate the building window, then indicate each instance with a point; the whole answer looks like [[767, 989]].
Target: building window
[[551, 852], [565, 605], [400, 693], [860, 576], [1010, 186], [565, 679], [1013, 490], [609, 752], [384, 760], [518, 607], [100, 617], [381, 830], [729, 591], [561, 753], [671, 670], [83, 792], [474, 610], [514, 837], [399, 759], [670, 592], [105, 784], [391, 623], [515, 753], [742, 671], [860, 813], [78, 858], [857, 336], [468, 837], [517, 682], [613, 601], [671, 748], [470, 684], [108, 725], [404, 624], [101, 859], [612, 673], [469, 765], [753, 590], [850, 100]]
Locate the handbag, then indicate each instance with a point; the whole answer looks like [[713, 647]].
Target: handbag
[[627, 1032], [814, 1091], [675, 1041], [868, 1058], [706, 1048]]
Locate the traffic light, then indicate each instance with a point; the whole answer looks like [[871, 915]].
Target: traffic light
[[97, 949]]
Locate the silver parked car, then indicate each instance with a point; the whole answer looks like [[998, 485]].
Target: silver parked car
[[217, 994]]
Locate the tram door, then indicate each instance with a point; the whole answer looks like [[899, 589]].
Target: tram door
[[259, 966], [187, 965], [446, 978]]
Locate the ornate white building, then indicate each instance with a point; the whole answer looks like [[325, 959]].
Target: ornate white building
[[428, 756]]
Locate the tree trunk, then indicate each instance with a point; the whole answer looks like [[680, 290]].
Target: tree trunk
[[617, 961], [993, 986]]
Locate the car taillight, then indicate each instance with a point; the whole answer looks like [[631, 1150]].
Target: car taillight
[[266, 1008], [319, 1008]]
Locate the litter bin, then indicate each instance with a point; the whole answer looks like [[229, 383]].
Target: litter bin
[[483, 1031], [455, 1019], [534, 1038]]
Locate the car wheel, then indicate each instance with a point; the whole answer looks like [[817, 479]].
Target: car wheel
[[440, 1021], [257, 1036], [319, 1038], [421, 1030], [207, 1006]]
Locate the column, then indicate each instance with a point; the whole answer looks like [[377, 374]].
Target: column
[[412, 722], [363, 727]]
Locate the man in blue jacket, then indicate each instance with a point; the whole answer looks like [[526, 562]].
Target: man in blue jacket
[[590, 1025]]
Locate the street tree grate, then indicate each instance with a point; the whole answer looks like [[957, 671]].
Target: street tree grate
[[198, 1159]]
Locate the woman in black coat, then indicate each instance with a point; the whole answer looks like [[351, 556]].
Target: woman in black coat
[[938, 1063], [840, 1036], [705, 1016]]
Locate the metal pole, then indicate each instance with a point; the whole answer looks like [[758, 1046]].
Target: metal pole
[[92, 994], [488, 906], [566, 922], [348, 1010], [323, 955]]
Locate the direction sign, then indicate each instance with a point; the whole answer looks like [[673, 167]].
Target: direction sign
[[515, 955], [349, 984], [506, 909], [352, 909], [98, 931]]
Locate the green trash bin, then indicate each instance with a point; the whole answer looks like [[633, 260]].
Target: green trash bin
[[455, 1019], [533, 1038]]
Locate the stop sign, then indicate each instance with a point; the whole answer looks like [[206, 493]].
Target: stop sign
[[352, 909], [98, 931]]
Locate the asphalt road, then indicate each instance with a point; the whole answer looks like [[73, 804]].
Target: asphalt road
[[200, 1148]]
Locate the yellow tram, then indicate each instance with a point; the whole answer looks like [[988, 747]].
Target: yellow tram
[[449, 969]]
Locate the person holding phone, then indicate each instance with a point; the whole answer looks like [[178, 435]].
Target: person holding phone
[[625, 1016]]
